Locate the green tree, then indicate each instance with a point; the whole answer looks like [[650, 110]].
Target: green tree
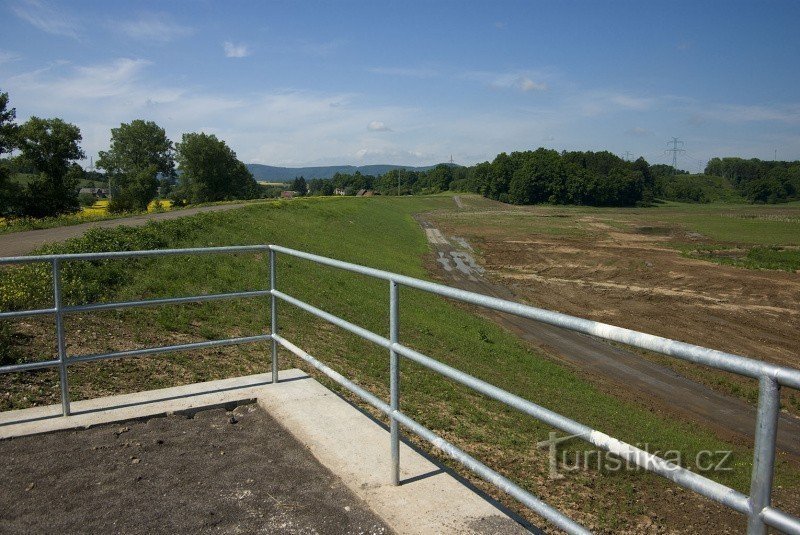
[[439, 177], [539, 179], [139, 152], [9, 191], [165, 187], [500, 173], [299, 185], [50, 146], [210, 171]]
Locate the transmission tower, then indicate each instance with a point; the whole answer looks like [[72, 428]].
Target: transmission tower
[[628, 155], [675, 151]]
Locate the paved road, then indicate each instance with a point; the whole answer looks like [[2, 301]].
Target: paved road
[[21, 243], [638, 378]]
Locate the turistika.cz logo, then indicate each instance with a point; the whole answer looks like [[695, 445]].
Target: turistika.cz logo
[[636, 458]]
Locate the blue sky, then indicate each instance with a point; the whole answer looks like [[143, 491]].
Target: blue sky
[[318, 83]]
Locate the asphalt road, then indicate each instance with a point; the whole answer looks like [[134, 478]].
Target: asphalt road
[[22, 243], [632, 376]]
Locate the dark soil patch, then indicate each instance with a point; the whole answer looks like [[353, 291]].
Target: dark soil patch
[[228, 472], [654, 231]]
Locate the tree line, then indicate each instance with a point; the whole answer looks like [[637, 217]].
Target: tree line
[[529, 177], [579, 177], [759, 181], [139, 162]]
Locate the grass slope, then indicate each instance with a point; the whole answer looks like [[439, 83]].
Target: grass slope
[[377, 232]]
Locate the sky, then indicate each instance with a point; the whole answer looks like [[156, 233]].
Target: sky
[[414, 83]]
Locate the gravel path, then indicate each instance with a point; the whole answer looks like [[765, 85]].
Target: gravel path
[[21, 243]]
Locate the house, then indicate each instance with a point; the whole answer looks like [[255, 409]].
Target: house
[[288, 194], [99, 193], [339, 191]]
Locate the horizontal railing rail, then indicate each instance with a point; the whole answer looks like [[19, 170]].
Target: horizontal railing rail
[[63, 360], [756, 505]]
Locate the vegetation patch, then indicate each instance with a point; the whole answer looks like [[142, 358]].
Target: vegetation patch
[[758, 257]]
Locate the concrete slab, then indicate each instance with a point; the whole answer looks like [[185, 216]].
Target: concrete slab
[[354, 447], [342, 438]]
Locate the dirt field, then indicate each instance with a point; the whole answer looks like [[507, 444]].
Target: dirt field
[[625, 267], [222, 472]]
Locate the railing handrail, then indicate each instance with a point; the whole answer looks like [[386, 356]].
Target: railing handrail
[[697, 354], [771, 376]]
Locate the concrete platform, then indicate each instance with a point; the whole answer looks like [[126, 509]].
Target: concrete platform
[[342, 438]]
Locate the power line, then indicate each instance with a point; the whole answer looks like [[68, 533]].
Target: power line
[[675, 151]]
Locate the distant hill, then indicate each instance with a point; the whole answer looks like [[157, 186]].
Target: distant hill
[[269, 173]]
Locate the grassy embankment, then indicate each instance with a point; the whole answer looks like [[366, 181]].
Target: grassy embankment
[[378, 232]]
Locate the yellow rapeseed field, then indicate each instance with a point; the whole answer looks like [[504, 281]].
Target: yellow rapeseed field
[[100, 207]]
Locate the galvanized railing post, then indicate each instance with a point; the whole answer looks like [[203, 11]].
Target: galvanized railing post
[[769, 404], [273, 316], [62, 346], [394, 379]]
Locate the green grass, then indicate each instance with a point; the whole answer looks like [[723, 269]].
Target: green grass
[[381, 233], [65, 220], [757, 257], [737, 224]]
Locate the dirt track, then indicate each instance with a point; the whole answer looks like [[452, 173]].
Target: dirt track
[[23, 242], [617, 370]]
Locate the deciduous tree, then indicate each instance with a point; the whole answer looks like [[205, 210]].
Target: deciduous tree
[[51, 146], [9, 191], [139, 152], [210, 171]]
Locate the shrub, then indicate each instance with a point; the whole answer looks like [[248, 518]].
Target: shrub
[[86, 199]]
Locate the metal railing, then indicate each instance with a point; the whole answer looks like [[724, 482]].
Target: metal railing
[[771, 377]]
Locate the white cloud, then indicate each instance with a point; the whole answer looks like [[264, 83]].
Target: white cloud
[[6, 56], [735, 113], [277, 127], [521, 81], [235, 51], [152, 27], [500, 25], [526, 84], [378, 126], [295, 127], [631, 102], [45, 17], [594, 103]]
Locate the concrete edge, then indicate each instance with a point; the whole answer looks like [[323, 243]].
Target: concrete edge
[[98, 411]]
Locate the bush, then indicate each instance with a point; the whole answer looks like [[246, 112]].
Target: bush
[[86, 199], [30, 285]]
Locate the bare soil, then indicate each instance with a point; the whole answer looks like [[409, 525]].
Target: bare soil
[[629, 273], [220, 471]]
